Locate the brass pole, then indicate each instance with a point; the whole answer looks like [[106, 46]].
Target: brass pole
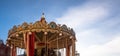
[[73, 47]]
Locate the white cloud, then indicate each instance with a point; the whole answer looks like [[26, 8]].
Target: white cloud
[[92, 40], [111, 48], [82, 15]]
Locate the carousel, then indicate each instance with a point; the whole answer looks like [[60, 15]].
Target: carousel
[[42, 39]]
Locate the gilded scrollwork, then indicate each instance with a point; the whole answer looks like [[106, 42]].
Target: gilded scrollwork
[[39, 28], [14, 29], [30, 26], [24, 26], [72, 31], [10, 31], [52, 25], [64, 28], [19, 28], [44, 24], [37, 25], [41, 25]]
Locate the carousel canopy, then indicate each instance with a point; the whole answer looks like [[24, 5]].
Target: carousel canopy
[[55, 34]]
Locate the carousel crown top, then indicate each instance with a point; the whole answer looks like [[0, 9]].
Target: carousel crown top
[[41, 25], [16, 33]]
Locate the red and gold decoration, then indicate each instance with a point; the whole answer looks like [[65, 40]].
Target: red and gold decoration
[[40, 38]]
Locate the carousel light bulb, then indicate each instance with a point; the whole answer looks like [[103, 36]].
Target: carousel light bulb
[[7, 45], [45, 33], [70, 37], [60, 34], [17, 35], [11, 47], [30, 33]]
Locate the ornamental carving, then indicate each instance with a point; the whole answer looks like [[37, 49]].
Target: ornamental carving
[[72, 31], [30, 26], [24, 26], [37, 25], [14, 28], [41, 35], [41, 25], [19, 28], [64, 28], [52, 25]]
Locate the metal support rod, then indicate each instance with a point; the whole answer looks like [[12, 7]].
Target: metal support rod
[[73, 47]]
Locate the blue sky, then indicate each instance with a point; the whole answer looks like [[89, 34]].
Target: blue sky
[[15, 12], [96, 22]]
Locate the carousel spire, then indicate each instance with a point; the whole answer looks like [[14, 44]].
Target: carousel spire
[[43, 18]]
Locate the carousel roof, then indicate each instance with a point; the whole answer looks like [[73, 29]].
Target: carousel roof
[[55, 32]]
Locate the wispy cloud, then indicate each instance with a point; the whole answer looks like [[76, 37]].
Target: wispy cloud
[[85, 14], [96, 27], [111, 48]]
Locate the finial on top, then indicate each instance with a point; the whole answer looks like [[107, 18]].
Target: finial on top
[[43, 16], [42, 13]]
